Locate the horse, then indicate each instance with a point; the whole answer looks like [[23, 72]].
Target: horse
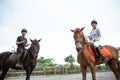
[[86, 59], [9, 60]]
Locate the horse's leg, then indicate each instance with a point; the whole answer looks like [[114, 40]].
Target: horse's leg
[[93, 71], [119, 69], [83, 69], [28, 73], [114, 67], [4, 72]]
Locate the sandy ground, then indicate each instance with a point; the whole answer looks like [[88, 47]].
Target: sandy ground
[[100, 76]]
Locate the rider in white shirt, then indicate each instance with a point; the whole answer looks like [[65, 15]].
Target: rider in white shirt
[[95, 36]]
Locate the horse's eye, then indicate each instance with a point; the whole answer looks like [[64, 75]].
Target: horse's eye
[[82, 36]]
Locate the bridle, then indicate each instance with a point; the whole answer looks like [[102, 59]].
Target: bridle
[[78, 40], [81, 42]]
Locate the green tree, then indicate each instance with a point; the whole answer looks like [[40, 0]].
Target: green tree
[[118, 51], [118, 48], [13, 49], [45, 62], [70, 59]]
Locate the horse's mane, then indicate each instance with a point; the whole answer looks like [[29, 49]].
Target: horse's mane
[[31, 49]]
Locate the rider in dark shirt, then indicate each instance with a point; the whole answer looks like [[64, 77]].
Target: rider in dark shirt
[[21, 43]]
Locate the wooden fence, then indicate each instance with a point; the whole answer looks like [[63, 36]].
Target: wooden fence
[[61, 70], [44, 71]]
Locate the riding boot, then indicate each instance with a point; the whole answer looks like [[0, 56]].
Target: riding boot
[[20, 60], [100, 55], [19, 65]]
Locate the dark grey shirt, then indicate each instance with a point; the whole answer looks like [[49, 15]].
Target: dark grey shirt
[[21, 38]]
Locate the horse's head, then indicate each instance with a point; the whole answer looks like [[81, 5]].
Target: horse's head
[[35, 45], [79, 38]]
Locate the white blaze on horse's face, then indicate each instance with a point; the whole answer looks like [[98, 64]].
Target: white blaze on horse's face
[[79, 38], [78, 46]]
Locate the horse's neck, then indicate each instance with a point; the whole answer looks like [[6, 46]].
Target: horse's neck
[[32, 53], [84, 53]]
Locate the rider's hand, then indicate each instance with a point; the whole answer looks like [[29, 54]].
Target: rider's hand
[[22, 42], [89, 37], [27, 45], [95, 40]]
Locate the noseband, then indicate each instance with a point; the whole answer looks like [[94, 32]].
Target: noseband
[[76, 41], [82, 42]]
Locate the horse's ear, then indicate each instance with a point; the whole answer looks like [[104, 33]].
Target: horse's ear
[[39, 40], [31, 40], [82, 28], [72, 30]]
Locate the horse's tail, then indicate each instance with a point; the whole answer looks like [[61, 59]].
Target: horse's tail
[[3, 57], [119, 69]]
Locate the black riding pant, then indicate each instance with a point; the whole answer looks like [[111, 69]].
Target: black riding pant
[[21, 52], [99, 54]]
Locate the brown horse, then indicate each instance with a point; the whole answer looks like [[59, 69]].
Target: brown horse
[[9, 60], [85, 59]]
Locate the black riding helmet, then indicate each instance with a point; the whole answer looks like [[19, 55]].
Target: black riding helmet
[[24, 30], [93, 21]]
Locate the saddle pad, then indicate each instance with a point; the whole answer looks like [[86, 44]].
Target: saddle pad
[[105, 52]]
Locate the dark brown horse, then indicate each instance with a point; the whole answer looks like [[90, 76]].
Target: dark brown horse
[[85, 59], [9, 60]]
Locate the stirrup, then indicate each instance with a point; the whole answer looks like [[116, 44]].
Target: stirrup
[[19, 65], [96, 59], [103, 59]]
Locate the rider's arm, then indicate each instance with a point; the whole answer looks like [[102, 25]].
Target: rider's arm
[[27, 45], [85, 38], [99, 34], [17, 42]]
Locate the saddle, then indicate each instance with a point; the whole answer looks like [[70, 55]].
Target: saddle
[[105, 52], [24, 54]]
